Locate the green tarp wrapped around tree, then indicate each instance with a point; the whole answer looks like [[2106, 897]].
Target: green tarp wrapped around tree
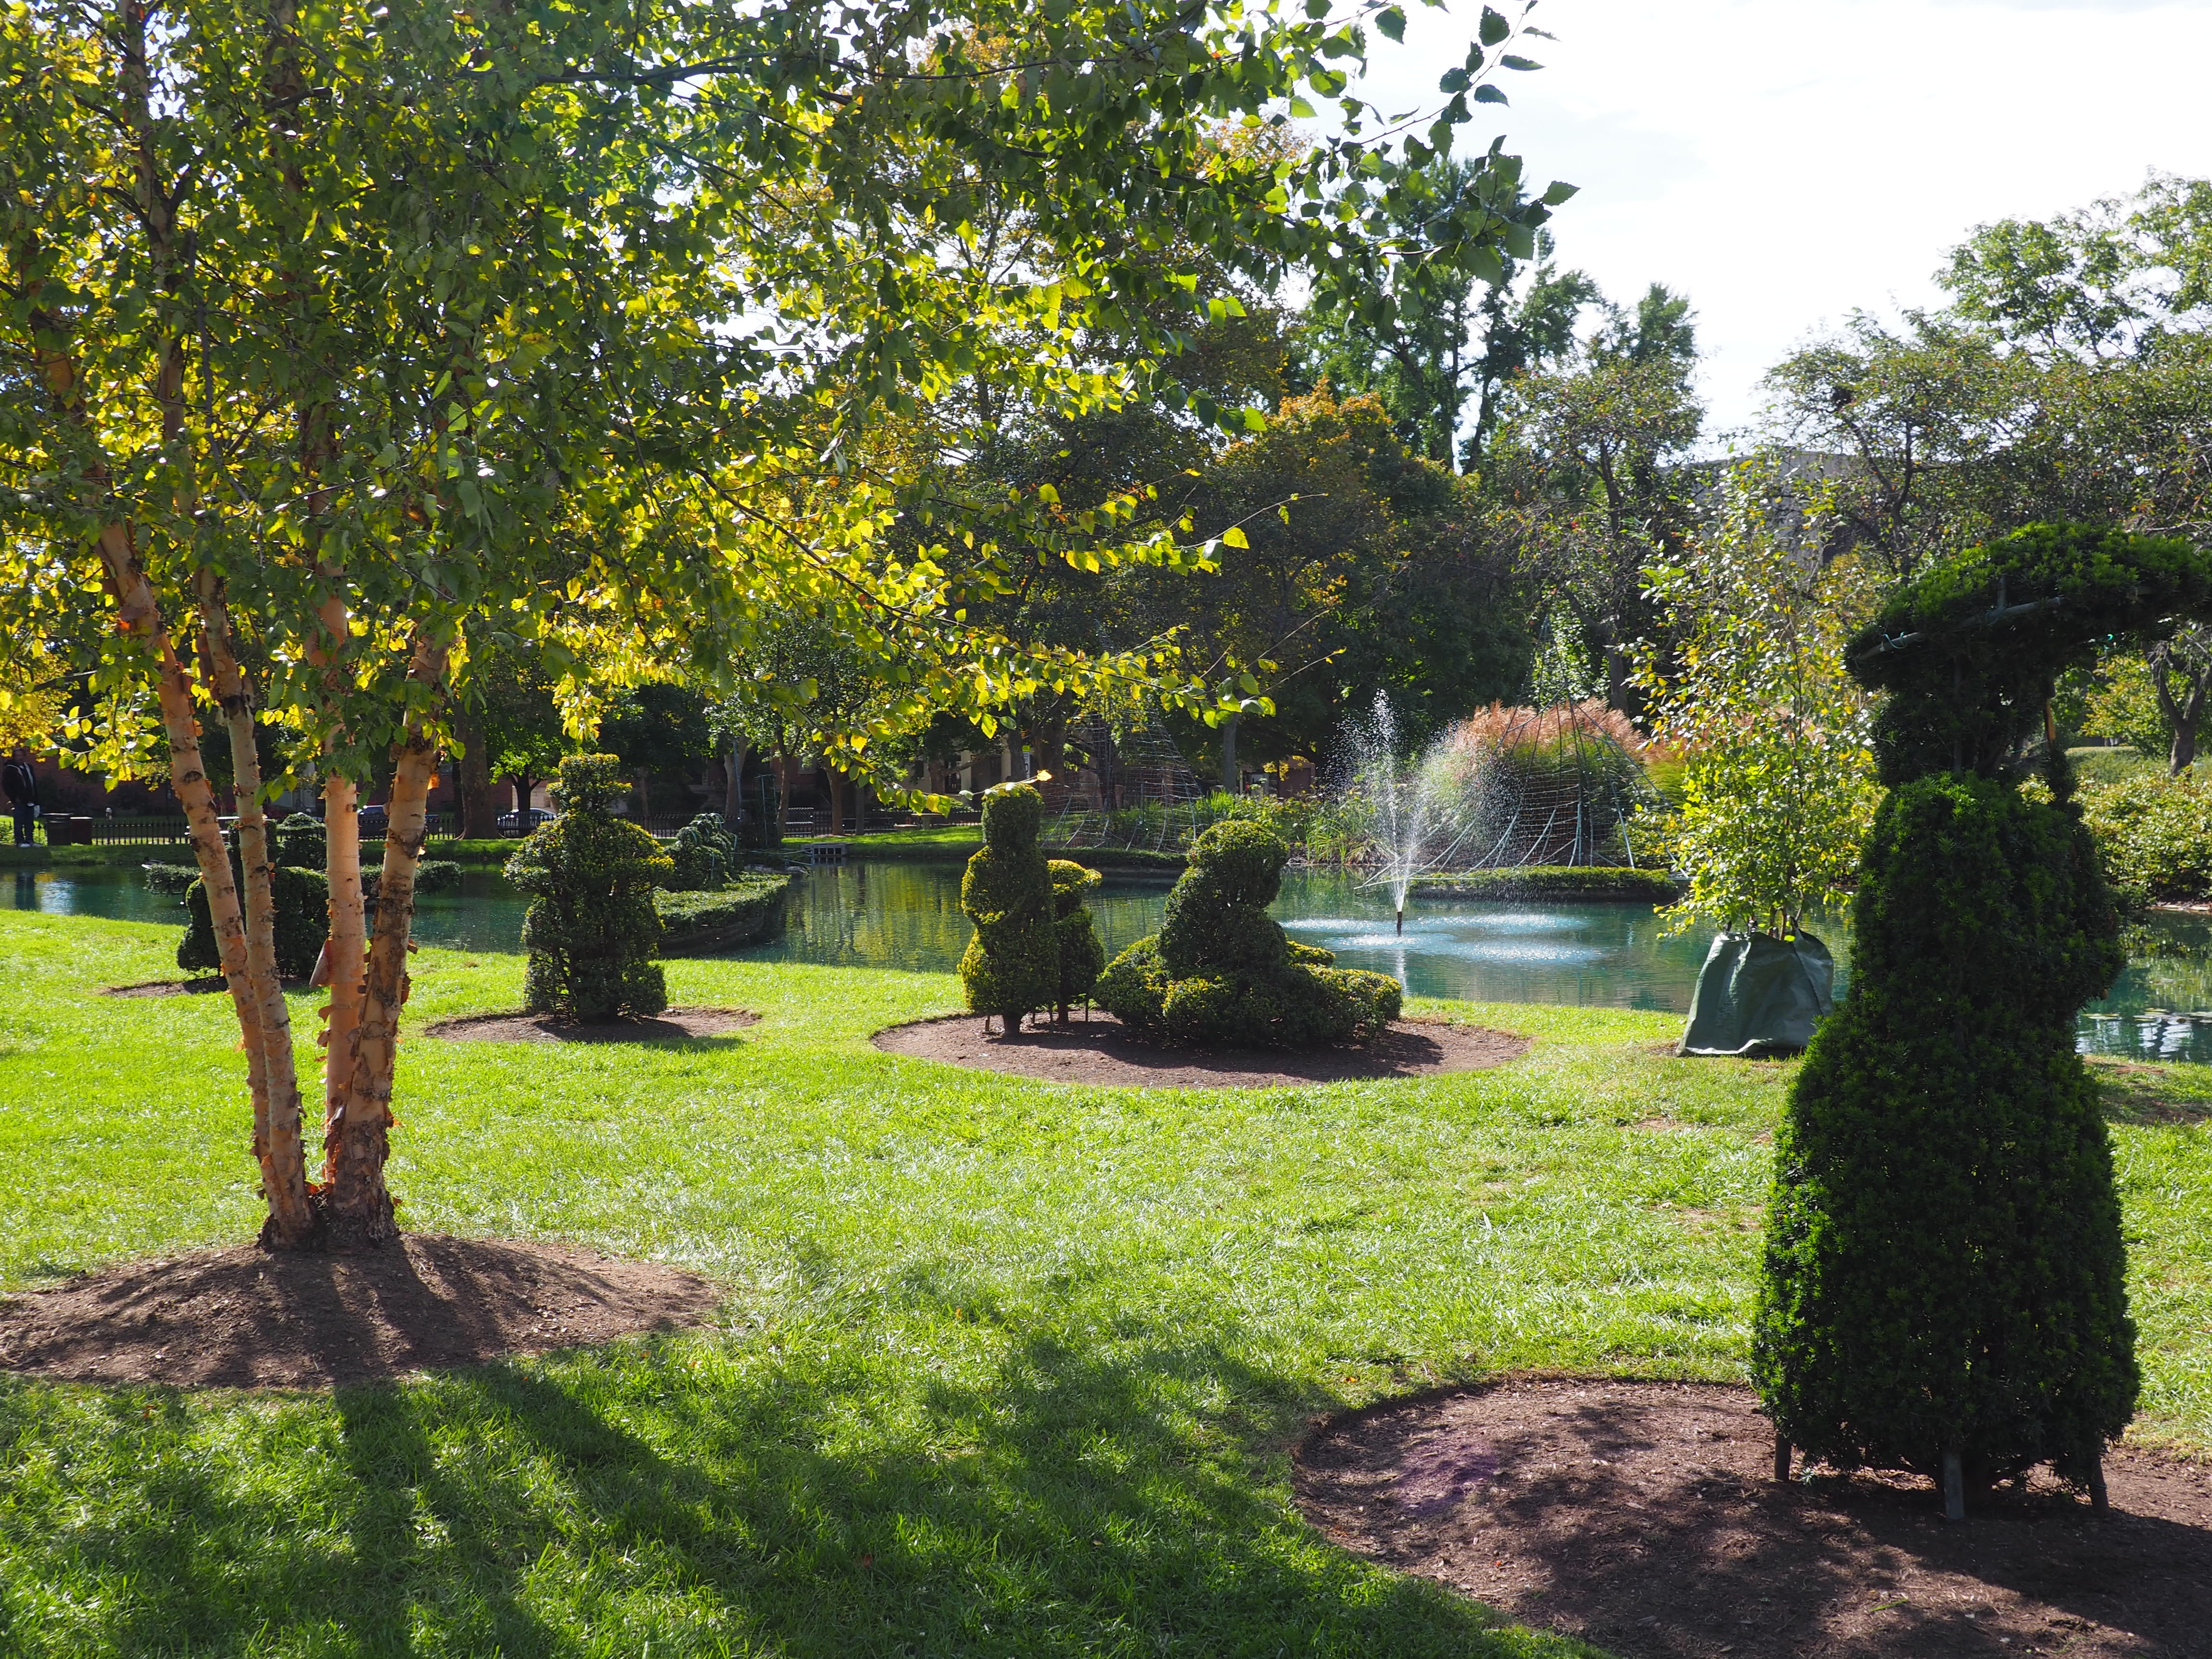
[[1759, 994]]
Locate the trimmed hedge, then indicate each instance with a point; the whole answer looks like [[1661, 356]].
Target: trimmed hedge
[[744, 912], [1221, 973], [303, 921], [1564, 884], [2155, 834]]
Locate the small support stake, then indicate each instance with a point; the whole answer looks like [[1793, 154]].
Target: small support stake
[[1955, 1487], [1782, 1449], [2100, 1505]]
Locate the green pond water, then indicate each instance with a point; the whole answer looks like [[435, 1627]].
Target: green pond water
[[908, 916]]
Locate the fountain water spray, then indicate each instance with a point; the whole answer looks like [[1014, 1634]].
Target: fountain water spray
[[1406, 815]]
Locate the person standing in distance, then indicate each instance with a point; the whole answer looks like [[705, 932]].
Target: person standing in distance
[[22, 785]]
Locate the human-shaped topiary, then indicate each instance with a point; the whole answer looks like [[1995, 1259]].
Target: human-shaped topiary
[[591, 931], [1943, 1282], [1082, 957], [705, 855], [1012, 966], [1220, 971]]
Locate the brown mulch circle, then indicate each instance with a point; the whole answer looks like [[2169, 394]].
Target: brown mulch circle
[[669, 1025], [170, 987], [1101, 1050], [1644, 1517], [249, 1318]]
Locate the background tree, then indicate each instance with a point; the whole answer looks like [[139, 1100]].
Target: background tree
[[1586, 480], [656, 727], [294, 388], [1778, 788]]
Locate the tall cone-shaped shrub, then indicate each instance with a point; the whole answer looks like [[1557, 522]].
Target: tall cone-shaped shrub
[[1943, 1287]]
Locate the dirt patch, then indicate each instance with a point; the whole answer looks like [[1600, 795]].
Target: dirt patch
[[1102, 1051], [249, 1318], [170, 987], [667, 1027], [1644, 1517]]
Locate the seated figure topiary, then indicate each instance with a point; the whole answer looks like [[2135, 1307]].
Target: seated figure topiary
[[1012, 967], [1082, 957], [1943, 1286], [705, 855], [592, 931], [1220, 971]]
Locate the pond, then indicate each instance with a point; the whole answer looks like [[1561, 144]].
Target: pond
[[887, 915]]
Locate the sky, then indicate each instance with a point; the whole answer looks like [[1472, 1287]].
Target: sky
[[1788, 162]]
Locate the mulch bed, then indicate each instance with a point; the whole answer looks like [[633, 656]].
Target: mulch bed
[[249, 1318], [170, 987], [1101, 1050], [1644, 1517], [667, 1027]]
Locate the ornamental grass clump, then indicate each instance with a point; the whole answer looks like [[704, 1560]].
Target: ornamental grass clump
[[591, 933], [1012, 966], [1943, 1284], [1221, 973]]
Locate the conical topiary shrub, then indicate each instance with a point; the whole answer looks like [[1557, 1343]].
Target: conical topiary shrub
[[1221, 973], [1082, 957], [1943, 1284], [1012, 966], [591, 933]]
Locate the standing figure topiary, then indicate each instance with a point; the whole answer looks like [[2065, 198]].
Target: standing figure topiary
[[1943, 1287], [1082, 957], [592, 931], [1220, 971], [1012, 967]]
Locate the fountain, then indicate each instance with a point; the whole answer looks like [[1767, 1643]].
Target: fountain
[[1408, 811]]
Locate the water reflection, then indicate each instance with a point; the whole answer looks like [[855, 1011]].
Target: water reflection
[[908, 916]]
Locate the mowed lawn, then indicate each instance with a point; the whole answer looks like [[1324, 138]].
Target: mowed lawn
[[1004, 1367]]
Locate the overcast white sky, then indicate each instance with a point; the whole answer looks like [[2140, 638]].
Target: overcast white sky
[[1786, 163]]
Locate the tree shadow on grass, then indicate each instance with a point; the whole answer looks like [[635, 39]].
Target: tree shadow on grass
[[1062, 1498]]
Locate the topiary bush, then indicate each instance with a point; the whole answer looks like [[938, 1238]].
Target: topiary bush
[[592, 931], [1012, 966], [705, 855], [1220, 971], [1082, 957], [302, 899], [1942, 1287]]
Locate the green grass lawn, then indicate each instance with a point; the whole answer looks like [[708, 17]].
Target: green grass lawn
[[1005, 1367]]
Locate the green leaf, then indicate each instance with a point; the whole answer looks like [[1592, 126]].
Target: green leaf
[[1455, 79], [1494, 28], [1392, 22], [1486, 93], [1511, 62], [1558, 191], [1234, 536]]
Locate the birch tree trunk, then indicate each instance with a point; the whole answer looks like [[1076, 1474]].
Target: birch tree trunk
[[357, 1205], [276, 1120]]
